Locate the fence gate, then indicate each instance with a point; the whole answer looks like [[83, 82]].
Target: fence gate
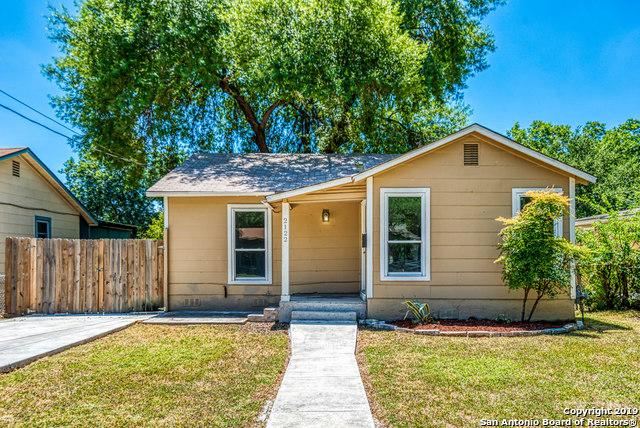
[[82, 275]]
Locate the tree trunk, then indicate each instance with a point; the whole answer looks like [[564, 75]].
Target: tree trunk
[[257, 126], [524, 303], [535, 304], [605, 277]]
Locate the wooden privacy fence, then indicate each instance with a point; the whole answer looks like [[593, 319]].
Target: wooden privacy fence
[[82, 275]]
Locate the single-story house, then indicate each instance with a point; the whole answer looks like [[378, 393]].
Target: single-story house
[[245, 231], [34, 202]]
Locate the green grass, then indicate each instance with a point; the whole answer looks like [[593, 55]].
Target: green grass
[[150, 375], [454, 381]]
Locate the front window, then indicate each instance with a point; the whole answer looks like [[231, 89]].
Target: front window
[[519, 200], [250, 244], [405, 226], [43, 227]]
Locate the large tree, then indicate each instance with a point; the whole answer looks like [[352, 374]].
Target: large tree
[[267, 75], [611, 154], [143, 78], [110, 193]]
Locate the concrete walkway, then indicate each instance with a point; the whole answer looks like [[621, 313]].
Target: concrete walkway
[[25, 339], [201, 317], [322, 385]]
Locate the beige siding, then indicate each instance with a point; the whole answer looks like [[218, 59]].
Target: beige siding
[[465, 201], [31, 191], [198, 257], [323, 257]]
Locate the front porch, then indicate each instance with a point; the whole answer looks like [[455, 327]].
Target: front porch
[[324, 254]]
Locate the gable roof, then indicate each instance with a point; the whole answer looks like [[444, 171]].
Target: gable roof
[[259, 174], [397, 160], [280, 176], [50, 177], [588, 221], [499, 138], [10, 150]]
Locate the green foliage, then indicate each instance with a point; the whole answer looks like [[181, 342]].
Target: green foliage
[[420, 312], [148, 81], [610, 268], [271, 75], [532, 257], [612, 155], [111, 194], [155, 230]]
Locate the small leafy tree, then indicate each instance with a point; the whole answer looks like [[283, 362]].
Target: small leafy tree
[[610, 266], [155, 230], [533, 259]]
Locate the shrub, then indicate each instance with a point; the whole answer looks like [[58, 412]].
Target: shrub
[[609, 268], [420, 312], [532, 257]]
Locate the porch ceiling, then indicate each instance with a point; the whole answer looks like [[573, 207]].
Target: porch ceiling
[[345, 192]]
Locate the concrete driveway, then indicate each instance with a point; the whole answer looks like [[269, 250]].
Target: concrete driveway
[[25, 339]]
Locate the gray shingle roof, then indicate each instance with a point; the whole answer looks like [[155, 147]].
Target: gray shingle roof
[[261, 172]]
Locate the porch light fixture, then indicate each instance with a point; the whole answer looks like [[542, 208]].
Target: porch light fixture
[[325, 216]]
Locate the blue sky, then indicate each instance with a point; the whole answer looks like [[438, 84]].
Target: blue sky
[[559, 61]]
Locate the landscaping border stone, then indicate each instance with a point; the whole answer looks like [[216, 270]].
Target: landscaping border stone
[[382, 325]]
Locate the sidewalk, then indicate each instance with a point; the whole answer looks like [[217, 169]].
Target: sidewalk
[[28, 338], [322, 385]]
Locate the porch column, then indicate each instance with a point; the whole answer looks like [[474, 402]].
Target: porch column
[[369, 226], [572, 230], [284, 295]]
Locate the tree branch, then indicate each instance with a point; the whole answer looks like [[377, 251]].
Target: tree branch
[[267, 113], [258, 130]]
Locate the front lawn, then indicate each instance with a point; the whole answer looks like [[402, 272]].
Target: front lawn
[[151, 375], [457, 381]]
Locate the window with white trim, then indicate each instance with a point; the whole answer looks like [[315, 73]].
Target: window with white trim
[[249, 244], [404, 238], [519, 199]]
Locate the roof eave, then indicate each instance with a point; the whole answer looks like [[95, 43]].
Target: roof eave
[[55, 181], [195, 193], [276, 197], [582, 176]]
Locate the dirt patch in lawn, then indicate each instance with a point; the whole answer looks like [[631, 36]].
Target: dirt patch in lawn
[[478, 325]]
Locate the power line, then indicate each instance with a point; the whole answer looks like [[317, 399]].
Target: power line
[[97, 147], [34, 121], [39, 112]]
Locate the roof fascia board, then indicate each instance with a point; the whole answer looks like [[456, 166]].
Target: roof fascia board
[[534, 154], [308, 189], [14, 154], [501, 139], [157, 194], [57, 184], [412, 154]]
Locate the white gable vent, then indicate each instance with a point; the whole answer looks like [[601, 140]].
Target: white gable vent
[[470, 154], [15, 168]]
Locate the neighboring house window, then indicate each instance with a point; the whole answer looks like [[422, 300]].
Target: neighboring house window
[[249, 244], [43, 227], [404, 215], [519, 200]]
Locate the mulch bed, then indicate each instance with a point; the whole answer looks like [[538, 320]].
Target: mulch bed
[[478, 325]]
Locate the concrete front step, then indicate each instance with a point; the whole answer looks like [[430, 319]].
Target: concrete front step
[[267, 315], [322, 304], [323, 316]]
